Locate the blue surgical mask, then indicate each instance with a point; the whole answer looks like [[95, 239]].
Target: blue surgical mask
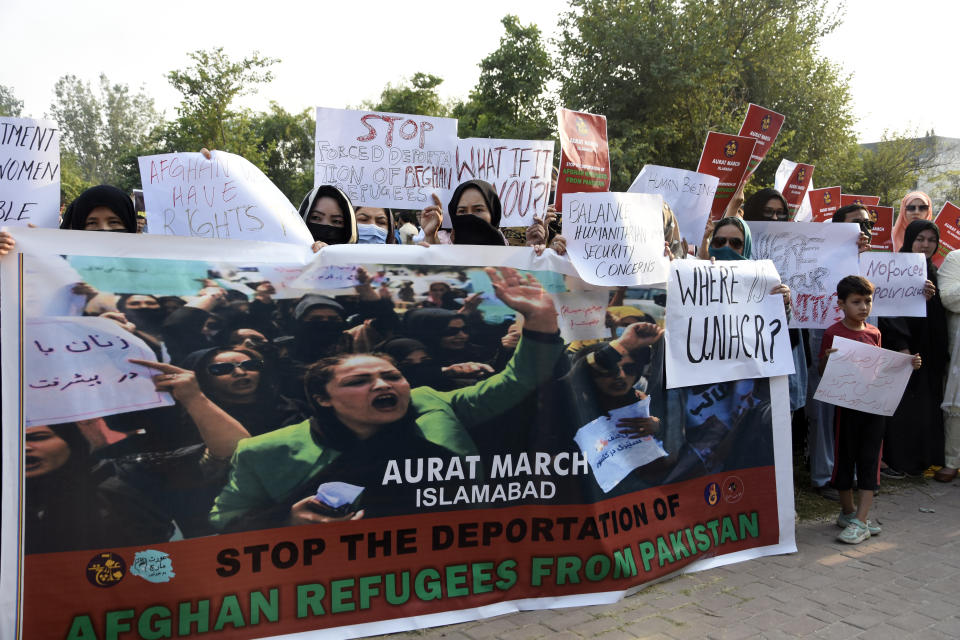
[[725, 253], [371, 234]]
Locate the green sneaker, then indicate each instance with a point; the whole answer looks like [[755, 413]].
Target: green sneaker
[[874, 528], [855, 533], [844, 520]]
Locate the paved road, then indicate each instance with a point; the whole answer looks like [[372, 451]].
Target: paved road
[[904, 583]]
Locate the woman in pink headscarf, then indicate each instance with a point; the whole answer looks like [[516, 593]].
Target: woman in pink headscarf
[[916, 205]]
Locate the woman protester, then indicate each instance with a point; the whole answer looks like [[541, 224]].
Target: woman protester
[[949, 289], [914, 434], [375, 226], [329, 216], [916, 205], [365, 414]]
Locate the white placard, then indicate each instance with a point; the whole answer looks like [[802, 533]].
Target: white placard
[[898, 279], [864, 377], [723, 323], [689, 194], [811, 259], [29, 172], [616, 238], [77, 368], [583, 314], [385, 159], [225, 197], [519, 170]]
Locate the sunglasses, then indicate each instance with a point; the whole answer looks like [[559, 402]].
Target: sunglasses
[[735, 243], [917, 207], [223, 368], [866, 225], [776, 214], [629, 369], [452, 331]]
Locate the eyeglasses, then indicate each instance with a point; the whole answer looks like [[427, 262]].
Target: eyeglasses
[[776, 214], [628, 369], [223, 368], [917, 207], [452, 331], [866, 225], [719, 241]]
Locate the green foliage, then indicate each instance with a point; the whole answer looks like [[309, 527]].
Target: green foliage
[[72, 183], [9, 104], [286, 145], [418, 95]]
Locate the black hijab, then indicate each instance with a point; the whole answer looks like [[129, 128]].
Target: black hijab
[[328, 233], [471, 229], [104, 195], [753, 207]]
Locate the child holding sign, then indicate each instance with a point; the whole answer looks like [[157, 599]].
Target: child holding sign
[[859, 435]]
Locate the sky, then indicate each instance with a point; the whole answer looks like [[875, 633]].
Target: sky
[[899, 54]]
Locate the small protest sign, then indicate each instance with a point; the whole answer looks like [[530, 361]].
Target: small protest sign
[[326, 276], [824, 202], [881, 238], [864, 377], [850, 198], [726, 157], [519, 170], [723, 324], [29, 172], [583, 314], [898, 279], [385, 159], [584, 154], [792, 180], [224, 197], [763, 125], [811, 259], [79, 369], [689, 194], [616, 238], [948, 221]]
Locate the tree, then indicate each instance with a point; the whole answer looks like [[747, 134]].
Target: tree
[[417, 95], [9, 104], [286, 145]]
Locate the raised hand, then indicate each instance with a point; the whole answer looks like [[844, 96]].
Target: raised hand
[[181, 383], [430, 219], [639, 334]]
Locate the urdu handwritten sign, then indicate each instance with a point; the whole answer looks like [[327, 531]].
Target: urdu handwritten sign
[[864, 377]]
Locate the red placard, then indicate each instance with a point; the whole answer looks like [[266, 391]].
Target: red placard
[[882, 217], [726, 157], [824, 202], [796, 186], [850, 198], [948, 221], [584, 154], [763, 125]]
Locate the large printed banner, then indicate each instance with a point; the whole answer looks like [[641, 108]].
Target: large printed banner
[[584, 154], [811, 259], [486, 467], [726, 157], [385, 159], [29, 172], [948, 221], [689, 194], [763, 125]]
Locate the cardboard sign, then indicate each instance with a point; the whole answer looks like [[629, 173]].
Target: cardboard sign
[[225, 197], [726, 157], [867, 201], [689, 194], [763, 125], [723, 324], [616, 238], [584, 154], [881, 238], [29, 172], [948, 221], [385, 159], [824, 202], [792, 180], [899, 280], [811, 259], [520, 171], [864, 377]]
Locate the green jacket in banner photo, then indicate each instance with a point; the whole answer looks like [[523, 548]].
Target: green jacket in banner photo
[[271, 472]]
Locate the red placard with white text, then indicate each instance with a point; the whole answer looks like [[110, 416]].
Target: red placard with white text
[[725, 156], [881, 238], [824, 202], [584, 154], [850, 198], [763, 125], [797, 186], [948, 221]]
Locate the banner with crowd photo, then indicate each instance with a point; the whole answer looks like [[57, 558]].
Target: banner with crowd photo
[[433, 440]]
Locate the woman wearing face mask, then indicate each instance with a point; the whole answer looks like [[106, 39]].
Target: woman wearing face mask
[[916, 205], [731, 240], [375, 226], [475, 212], [330, 217], [914, 435]]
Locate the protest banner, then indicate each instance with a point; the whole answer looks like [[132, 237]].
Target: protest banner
[[850, 198], [29, 172], [824, 202], [763, 125], [584, 154], [792, 180], [616, 238], [726, 157], [899, 280], [223, 197], [385, 159], [723, 324], [519, 170], [881, 238], [482, 505], [811, 259], [689, 194], [864, 377], [948, 221]]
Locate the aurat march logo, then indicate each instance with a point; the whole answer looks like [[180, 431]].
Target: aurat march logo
[[106, 569], [765, 122], [730, 149]]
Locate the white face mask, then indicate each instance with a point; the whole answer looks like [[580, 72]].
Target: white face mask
[[371, 234]]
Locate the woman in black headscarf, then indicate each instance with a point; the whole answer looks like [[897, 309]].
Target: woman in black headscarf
[[101, 208], [766, 205], [475, 213], [330, 216], [446, 335], [914, 437]]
